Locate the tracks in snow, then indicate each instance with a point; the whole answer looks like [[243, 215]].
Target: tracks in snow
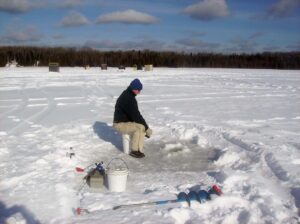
[[268, 166], [258, 154]]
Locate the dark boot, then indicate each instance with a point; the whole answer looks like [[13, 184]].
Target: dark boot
[[141, 154], [136, 154]]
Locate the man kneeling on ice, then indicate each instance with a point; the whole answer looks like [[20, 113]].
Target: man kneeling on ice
[[128, 119]]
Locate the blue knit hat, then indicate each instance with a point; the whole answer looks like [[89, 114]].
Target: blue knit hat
[[136, 85]]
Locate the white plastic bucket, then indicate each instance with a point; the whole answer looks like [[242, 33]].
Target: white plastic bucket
[[126, 143], [117, 177]]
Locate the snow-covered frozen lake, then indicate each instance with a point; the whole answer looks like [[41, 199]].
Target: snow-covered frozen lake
[[237, 128]]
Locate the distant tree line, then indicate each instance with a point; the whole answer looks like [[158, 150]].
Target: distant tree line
[[27, 56]]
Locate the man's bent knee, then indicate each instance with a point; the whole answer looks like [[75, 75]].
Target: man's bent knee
[[140, 127], [120, 127], [129, 127]]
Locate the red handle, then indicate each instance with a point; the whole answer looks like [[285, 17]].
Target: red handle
[[78, 169]]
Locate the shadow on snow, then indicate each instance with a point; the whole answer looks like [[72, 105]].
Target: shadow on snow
[[6, 213], [108, 134]]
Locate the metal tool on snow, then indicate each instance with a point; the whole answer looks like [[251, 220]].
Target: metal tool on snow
[[202, 196]]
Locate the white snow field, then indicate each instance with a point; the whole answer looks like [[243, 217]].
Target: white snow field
[[237, 128]]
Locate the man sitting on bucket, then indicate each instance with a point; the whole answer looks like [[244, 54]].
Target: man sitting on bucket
[[128, 119]]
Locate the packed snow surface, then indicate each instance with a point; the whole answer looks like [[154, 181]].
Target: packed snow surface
[[236, 128]]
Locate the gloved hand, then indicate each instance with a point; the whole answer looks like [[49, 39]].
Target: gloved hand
[[148, 132]]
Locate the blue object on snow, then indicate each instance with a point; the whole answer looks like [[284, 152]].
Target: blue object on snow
[[203, 196], [193, 196], [182, 197], [100, 168], [162, 202]]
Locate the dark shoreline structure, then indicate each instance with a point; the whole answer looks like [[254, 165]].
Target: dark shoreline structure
[[28, 56]]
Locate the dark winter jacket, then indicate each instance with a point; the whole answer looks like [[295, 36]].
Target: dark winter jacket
[[126, 109]]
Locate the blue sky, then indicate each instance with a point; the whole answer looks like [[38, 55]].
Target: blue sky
[[220, 26]]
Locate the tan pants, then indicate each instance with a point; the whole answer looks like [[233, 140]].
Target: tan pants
[[136, 132]]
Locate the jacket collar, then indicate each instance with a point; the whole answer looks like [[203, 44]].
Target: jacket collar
[[130, 91]]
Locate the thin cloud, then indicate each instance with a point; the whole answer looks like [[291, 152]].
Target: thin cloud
[[126, 45], [58, 36], [256, 35], [195, 33], [183, 45], [102, 44], [243, 45], [293, 47], [74, 19], [19, 6], [129, 17], [71, 3], [17, 35], [197, 45], [246, 44], [283, 8], [207, 10], [271, 48]]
